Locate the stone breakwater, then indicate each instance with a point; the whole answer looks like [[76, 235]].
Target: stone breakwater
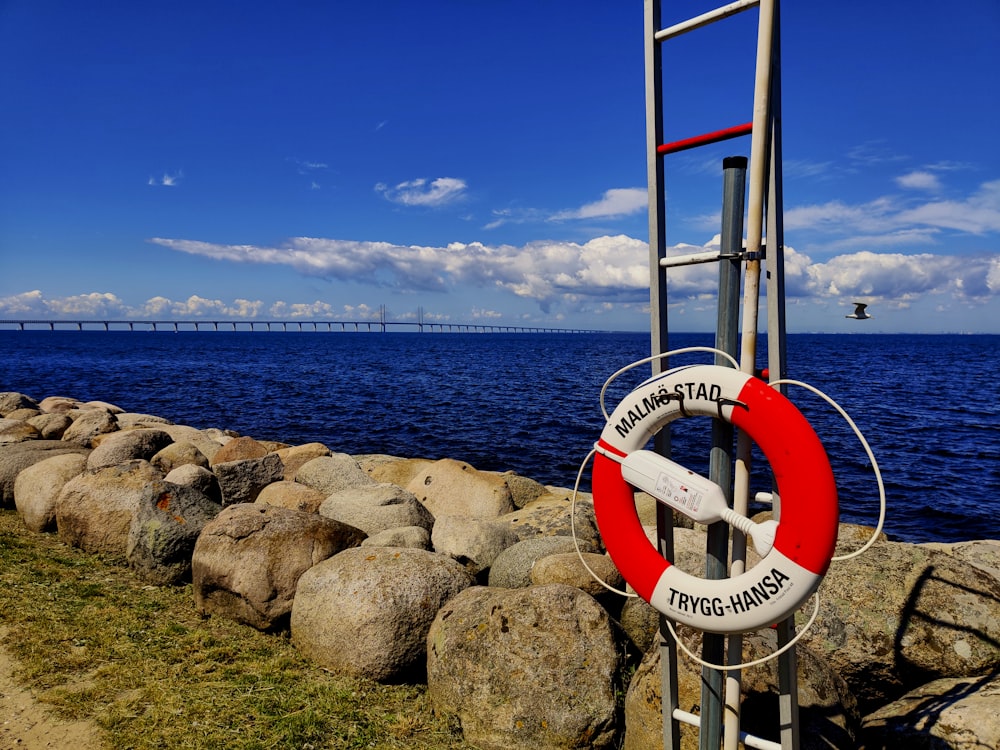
[[402, 569]]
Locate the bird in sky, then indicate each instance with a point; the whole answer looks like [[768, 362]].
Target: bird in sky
[[859, 311]]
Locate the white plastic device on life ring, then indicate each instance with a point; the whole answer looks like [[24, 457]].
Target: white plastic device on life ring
[[804, 541]]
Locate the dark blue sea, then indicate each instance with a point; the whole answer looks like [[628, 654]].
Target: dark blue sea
[[528, 402]]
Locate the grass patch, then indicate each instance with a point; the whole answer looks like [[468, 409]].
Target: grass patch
[[95, 643]]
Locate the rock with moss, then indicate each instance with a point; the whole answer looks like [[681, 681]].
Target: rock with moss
[[165, 526], [536, 668]]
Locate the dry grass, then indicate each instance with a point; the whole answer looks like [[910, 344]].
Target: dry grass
[[96, 643]]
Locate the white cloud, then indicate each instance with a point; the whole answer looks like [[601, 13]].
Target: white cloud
[[837, 216], [94, 305], [607, 268], [25, 304], [480, 314], [300, 310], [977, 214], [919, 181], [561, 276], [422, 192], [614, 202], [892, 277], [303, 166], [887, 217], [167, 180]]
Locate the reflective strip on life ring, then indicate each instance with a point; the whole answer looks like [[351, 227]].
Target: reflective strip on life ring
[[804, 544]]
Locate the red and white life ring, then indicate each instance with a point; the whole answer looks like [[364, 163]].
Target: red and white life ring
[[806, 536]]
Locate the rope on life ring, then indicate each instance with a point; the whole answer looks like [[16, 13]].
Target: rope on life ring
[[805, 538]]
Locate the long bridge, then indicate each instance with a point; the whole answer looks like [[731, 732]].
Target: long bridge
[[380, 326]]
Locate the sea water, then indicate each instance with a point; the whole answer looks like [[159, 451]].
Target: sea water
[[529, 402]]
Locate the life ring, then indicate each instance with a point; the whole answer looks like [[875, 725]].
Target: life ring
[[806, 536]]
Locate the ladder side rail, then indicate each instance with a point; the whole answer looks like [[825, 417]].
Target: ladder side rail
[[777, 361], [748, 350], [658, 338], [655, 186]]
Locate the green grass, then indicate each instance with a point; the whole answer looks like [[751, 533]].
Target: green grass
[[95, 643]]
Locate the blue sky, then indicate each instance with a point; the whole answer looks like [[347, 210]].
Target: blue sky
[[483, 161]]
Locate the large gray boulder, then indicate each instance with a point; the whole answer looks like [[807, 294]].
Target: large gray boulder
[[828, 713], [247, 561], [392, 469], [374, 508], [11, 401], [549, 515], [51, 426], [332, 473], [591, 572], [983, 553], [94, 510], [294, 457], [165, 526], [23, 414], [474, 542], [198, 477], [533, 668], [207, 441], [512, 567], [59, 404], [962, 713], [454, 488], [88, 424], [241, 481], [291, 494], [641, 623], [902, 615], [17, 431], [15, 457], [239, 449], [176, 454], [133, 420], [367, 611], [38, 486], [414, 537], [523, 490], [122, 446]]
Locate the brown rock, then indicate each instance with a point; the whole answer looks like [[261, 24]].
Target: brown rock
[[239, 449], [248, 560]]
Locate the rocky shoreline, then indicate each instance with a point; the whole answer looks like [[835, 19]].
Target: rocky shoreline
[[411, 570]]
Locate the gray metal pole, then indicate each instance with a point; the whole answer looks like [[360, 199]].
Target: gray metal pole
[[658, 333], [720, 467]]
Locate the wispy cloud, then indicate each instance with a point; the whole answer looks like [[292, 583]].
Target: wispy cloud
[[303, 166], [614, 202], [977, 213], [875, 152], [441, 191], [166, 180]]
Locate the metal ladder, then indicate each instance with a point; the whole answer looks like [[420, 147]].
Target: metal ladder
[[764, 203]]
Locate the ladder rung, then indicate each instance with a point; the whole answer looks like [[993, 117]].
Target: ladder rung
[[747, 739], [704, 19], [710, 256], [692, 258], [703, 140]]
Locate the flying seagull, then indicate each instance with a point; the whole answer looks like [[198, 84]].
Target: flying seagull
[[859, 312]]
